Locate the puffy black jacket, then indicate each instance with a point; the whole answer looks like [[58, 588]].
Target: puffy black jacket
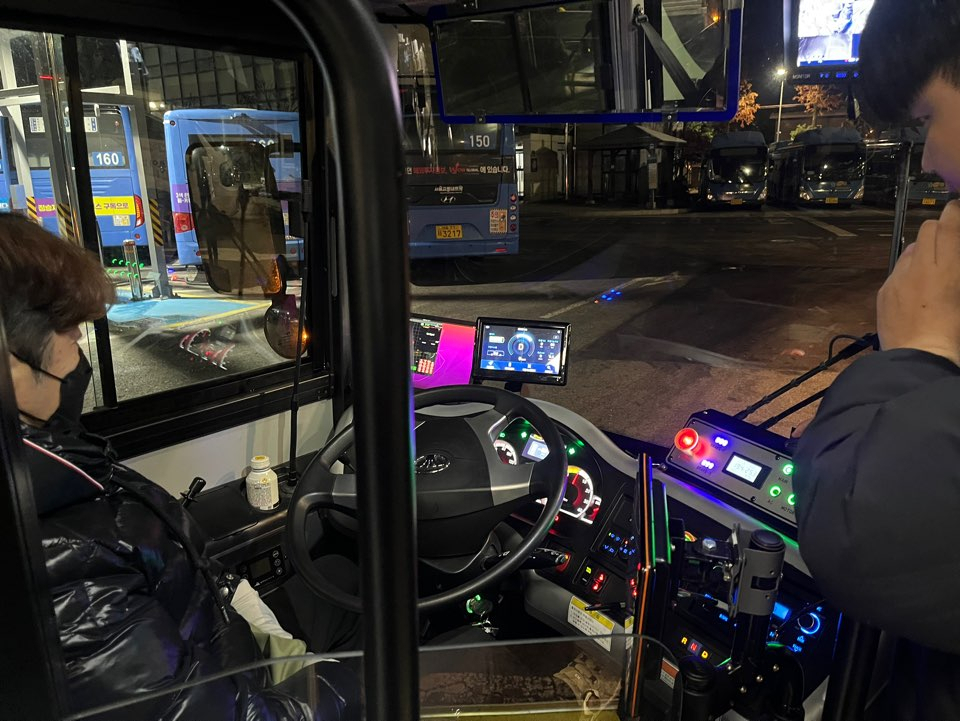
[[878, 496], [137, 611]]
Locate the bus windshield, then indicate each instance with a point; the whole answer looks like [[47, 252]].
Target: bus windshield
[[739, 165], [106, 139], [830, 163]]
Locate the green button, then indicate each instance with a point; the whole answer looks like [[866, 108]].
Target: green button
[[788, 469], [776, 491], [792, 500]]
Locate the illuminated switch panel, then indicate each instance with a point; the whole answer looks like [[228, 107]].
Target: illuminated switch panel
[[738, 458], [594, 578], [695, 648]]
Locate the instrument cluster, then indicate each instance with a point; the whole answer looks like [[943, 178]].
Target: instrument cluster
[[520, 443]]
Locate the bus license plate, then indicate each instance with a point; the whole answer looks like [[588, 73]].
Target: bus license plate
[[449, 232], [929, 201], [736, 201], [833, 201]]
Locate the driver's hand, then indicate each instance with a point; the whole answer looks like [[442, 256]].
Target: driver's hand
[[919, 305]]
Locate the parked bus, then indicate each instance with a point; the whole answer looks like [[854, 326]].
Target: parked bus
[[882, 174], [461, 183], [185, 129], [821, 167], [118, 196], [735, 171]]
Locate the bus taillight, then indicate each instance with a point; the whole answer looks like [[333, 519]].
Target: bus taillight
[[138, 204], [182, 222]]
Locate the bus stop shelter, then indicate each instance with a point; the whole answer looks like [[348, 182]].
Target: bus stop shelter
[[639, 145]]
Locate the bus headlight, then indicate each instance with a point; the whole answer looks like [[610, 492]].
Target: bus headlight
[[806, 194], [859, 195], [763, 194]]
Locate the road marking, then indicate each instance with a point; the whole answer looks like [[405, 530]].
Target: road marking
[[839, 232], [204, 320], [622, 286]]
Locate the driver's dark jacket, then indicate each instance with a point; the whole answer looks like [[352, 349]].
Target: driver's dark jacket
[[878, 504], [134, 613]]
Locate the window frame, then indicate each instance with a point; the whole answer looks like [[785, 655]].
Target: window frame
[[142, 424]]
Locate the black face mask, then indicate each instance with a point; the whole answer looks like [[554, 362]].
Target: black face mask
[[73, 388]]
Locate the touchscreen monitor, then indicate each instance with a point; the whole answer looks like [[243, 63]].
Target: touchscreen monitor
[[523, 351]]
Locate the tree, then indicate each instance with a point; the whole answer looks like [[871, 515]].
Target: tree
[[800, 129], [747, 106], [818, 99]]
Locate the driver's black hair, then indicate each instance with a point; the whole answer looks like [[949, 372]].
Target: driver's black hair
[[906, 44]]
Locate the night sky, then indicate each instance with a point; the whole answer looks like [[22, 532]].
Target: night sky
[[763, 47]]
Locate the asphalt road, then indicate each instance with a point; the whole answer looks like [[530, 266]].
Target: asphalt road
[[715, 310], [709, 310]]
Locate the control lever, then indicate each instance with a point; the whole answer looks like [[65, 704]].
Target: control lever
[[539, 559], [190, 495]]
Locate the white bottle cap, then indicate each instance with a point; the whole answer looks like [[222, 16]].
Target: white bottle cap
[[260, 463]]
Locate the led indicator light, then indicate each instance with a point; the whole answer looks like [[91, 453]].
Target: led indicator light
[[687, 440]]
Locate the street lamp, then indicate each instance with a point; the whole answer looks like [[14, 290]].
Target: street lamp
[[782, 74]]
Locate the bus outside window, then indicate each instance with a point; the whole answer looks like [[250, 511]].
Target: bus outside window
[[736, 170], [187, 129], [118, 197], [824, 167], [461, 183]]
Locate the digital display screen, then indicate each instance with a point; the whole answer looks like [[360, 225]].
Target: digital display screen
[[747, 471], [441, 352], [536, 449], [829, 31], [522, 351], [259, 568]]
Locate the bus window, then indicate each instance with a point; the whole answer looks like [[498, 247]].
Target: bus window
[[168, 160]]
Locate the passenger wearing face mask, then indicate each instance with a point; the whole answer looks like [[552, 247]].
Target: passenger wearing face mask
[[139, 607]]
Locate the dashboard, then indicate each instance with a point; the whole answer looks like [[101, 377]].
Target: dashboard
[[590, 592]]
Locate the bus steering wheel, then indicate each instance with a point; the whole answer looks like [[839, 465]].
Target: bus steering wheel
[[463, 490]]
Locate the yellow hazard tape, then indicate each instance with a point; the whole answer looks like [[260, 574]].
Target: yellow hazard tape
[[32, 209], [65, 218], [155, 222]]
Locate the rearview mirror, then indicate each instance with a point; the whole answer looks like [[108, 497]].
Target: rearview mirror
[[238, 216], [590, 61]]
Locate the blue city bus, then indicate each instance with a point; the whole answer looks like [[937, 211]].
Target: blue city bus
[[883, 171], [117, 194], [185, 129], [735, 171], [462, 191], [825, 166]]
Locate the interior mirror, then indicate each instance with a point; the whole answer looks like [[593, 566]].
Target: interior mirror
[[610, 61], [238, 215]]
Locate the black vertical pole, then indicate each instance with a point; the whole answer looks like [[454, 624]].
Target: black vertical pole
[[362, 86]]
